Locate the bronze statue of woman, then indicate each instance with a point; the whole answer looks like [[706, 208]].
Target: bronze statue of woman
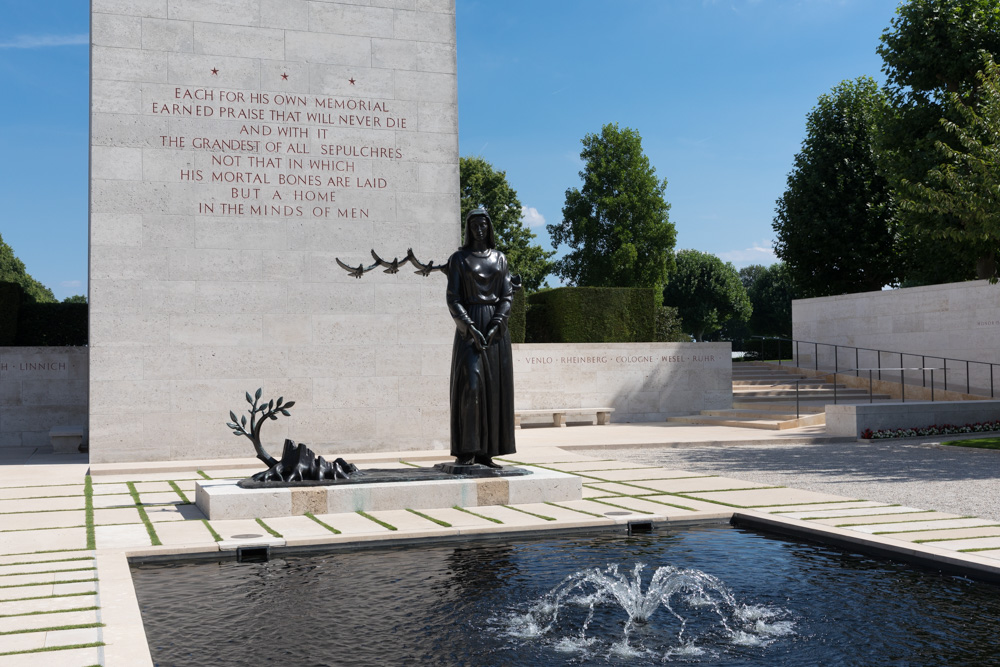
[[480, 292]]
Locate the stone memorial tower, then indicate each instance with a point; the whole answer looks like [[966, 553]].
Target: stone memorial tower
[[237, 148]]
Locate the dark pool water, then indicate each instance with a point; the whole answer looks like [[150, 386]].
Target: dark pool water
[[467, 604]]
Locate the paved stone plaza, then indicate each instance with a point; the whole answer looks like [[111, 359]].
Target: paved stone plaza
[[66, 537]]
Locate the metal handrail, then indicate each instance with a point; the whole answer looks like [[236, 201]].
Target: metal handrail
[[955, 363]]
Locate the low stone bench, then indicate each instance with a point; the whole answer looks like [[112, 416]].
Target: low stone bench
[[559, 415], [66, 439]]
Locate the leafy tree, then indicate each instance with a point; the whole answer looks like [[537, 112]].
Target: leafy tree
[[482, 185], [616, 224], [669, 327], [76, 298], [930, 53], [771, 292], [12, 270], [834, 223], [707, 293], [961, 196]]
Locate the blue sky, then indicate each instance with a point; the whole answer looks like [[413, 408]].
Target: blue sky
[[718, 89]]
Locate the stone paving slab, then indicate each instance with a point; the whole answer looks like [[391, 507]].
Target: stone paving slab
[[8, 559], [699, 484], [105, 489], [298, 527], [43, 566], [159, 497], [81, 657], [230, 528], [34, 520], [57, 619], [687, 501], [46, 577], [766, 497], [847, 512], [407, 521], [26, 492], [850, 522], [178, 533], [935, 536], [106, 517], [511, 517], [594, 465], [972, 543], [163, 513], [601, 489], [33, 541], [352, 523], [47, 604], [783, 509], [457, 518], [113, 500], [122, 537], [40, 504], [153, 487], [889, 528], [642, 474]]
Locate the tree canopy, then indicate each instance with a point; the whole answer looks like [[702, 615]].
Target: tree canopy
[[770, 291], [931, 54], [834, 223], [12, 270], [482, 185], [616, 224], [960, 197], [707, 293]]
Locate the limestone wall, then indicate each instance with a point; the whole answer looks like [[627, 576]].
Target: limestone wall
[[956, 320], [642, 381], [238, 147], [40, 387]]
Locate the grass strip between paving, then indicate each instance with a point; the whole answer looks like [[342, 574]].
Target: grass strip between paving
[[55, 628], [48, 583], [621, 507], [385, 525], [481, 516], [49, 611], [26, 574], [39, 562], [429, 518], [46, 649], [177, 490], [153, 537], [573, 509], [88, 509], [203, 474], [215, 535], [540, 516], [270, 530], [49, 597], [333, 530]]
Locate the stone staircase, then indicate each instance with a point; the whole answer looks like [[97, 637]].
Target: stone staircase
[[764, 398]]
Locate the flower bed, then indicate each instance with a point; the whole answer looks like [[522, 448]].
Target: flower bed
[[943, 429]]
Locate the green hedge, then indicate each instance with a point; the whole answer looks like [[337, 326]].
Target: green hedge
[[11, 296], [592, 315], [52, 324], [516, 323]]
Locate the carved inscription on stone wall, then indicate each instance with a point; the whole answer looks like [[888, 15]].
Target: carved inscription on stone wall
[[266, 154]]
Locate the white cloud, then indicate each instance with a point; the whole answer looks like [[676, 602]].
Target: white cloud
[[760, 253], [44, 41], [532, 217]]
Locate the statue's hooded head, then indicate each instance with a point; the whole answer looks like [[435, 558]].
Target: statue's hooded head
[[478, 213]]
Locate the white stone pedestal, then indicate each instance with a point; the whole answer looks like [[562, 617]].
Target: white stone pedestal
[[224, 500]]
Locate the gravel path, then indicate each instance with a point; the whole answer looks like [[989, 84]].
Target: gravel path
[[959, 480]]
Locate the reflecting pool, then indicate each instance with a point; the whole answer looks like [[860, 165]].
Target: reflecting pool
[[708, 595]]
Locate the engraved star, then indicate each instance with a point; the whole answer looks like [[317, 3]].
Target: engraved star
[[215, 71], [351, 81], [284, 77]]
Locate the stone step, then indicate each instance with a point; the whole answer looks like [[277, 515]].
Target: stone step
[[779, 407], [791, 391], [789, 396], [764, 424], [784, 382]]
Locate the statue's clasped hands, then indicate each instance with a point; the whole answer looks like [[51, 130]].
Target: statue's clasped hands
[[481, 341]]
